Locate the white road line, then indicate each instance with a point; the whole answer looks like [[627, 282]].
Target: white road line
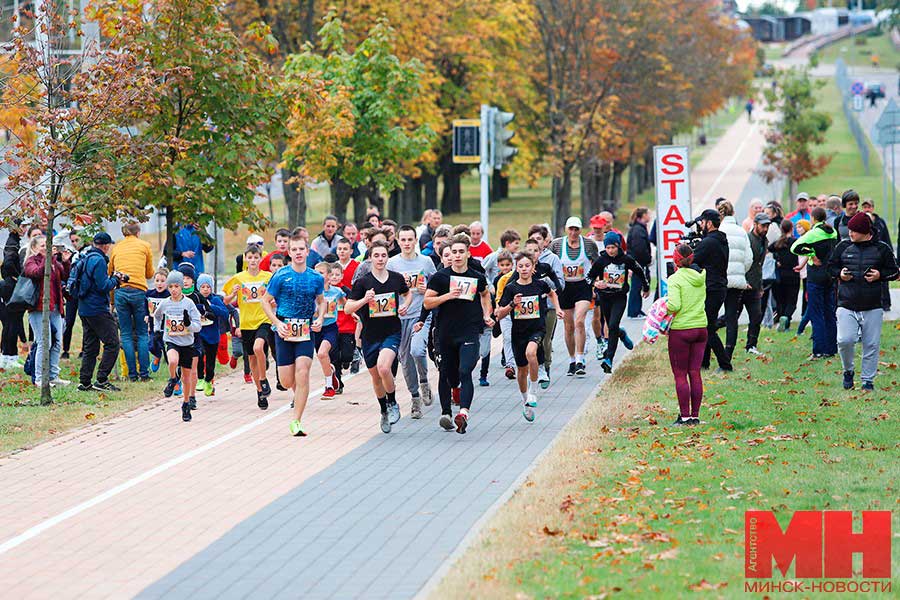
[[730, 164], [43, 526]]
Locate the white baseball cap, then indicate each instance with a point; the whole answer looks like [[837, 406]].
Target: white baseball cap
[[573, 222], [255, 239]]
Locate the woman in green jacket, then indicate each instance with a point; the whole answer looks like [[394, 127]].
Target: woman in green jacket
[[686, 299]]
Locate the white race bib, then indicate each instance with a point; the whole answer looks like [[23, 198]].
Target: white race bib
[[298, 330], [383, 305], [175, 326], [614, 275], [468, 286], [573, 272], [252, 292], [528, 308]]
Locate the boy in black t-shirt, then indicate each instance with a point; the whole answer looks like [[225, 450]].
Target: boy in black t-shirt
[[460, 323], [526, 298], [378, 293]]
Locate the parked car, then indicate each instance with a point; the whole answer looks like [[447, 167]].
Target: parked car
[[874, 88]]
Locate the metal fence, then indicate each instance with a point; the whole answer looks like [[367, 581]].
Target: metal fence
[[842, 78]]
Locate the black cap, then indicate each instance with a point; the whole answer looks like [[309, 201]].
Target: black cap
[[707, 215], [102, 238]]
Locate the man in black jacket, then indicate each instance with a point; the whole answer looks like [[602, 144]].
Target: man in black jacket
[[13, 325], [711, 254], [860, 264], [879, 233], [638, 244]]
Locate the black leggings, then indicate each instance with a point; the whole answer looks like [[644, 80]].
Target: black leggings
[[612, 308], [786, 292], [71, 314], [206, 366], [458, 360], [13, 331]]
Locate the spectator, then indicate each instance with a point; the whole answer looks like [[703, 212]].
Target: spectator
[[189, 248], [133, 258], [422, 227], [832, 209], [254, 239], [850, 205], [787, 278], [740, 259], [389, 227], [639, 248], [479, 249], [802, 211], [437, 218], [441, 234], [94, 284], [817, 245], [687, 334], [711, 255], [860, 264], [753, 293], [352, 233], [282, 239], [66, 253], [879, 226], [13, 327], [326, 242], [34, 269], [756, 207]]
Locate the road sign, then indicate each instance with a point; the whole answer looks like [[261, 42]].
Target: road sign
[[857, 87], [466, 141], [673, 203], [858, 103], [887, 129]]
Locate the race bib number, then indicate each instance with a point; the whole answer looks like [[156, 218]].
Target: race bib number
[[614, 275], [467, 286], [153, 304], [573, 272], [253, 292], [298, 330], [528, 308], [383, 305], [331, 308], [413, 278], [175, 326]]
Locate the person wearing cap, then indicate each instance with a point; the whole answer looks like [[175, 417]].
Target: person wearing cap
[[860, 265], [179, 320], [577, 254], [815, 247], [711, 255], [248, 288], [850, 205], [188, 247], [609, 275], [94, 284], [801, 212], [133, 257]]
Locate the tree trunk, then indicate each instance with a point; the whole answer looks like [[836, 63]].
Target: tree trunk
[[170, 238], [360, 204], [430, 182], [451, 200], [562, 200], [648, 169], [374, 197], [603, 181], [340, 197], [499, 187], [615, 192], [589, 188], [46, 396], [294, 199], [632, 176]]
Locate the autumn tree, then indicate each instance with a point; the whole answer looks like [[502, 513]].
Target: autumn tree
[[78, 106], [381, 88], [218, 108], [797, 130]]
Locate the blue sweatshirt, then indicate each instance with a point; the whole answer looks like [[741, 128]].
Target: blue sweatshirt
[[211, 332]]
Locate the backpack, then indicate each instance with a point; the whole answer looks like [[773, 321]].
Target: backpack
[[73, 284]]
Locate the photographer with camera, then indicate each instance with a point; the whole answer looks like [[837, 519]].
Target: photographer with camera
[[90, 282], [132, 261], [711, 255]]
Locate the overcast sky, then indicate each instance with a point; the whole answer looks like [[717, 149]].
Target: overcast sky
[[788, 5]]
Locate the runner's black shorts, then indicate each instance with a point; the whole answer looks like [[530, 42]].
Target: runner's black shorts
[[520, 344], [575, 291], [248, 336], [186, 354]]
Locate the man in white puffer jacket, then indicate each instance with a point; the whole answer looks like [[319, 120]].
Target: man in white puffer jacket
[[740, 259]]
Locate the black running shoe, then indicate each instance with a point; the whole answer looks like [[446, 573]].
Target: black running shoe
[[261, 401], [85, 387], [848, 380], [170, 388], [280, 387], [571, 370], [266, 389], [580, 370], [185, 411], [681, 421], [694, 421], [193, 403], [106, 386]]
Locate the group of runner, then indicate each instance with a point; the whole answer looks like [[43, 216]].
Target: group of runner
[[412, 295]]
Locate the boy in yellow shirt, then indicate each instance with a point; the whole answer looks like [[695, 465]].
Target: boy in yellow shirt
[[249, 287]]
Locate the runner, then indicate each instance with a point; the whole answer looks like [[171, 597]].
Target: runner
[[346, 323], [155, 296], [416, 270], [609, 275], [380, 291], [282, 239], [298, 314], [327, 340], [180, 320], [526, 299], [576, 254], [249, 287], [460, 324], [541, 234]]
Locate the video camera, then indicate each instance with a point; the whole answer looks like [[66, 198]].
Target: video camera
[[692, 238]]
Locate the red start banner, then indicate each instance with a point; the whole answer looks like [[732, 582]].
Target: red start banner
[[673, 203]]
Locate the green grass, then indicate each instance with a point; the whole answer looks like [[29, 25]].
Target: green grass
[[861, 55], [845, 169], [774, 51], [645, 508]]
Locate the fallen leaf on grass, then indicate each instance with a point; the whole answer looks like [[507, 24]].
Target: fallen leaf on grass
[[882, 417], [665, 554], [756, 441], [705, 585], [89, 416], [551, 532]]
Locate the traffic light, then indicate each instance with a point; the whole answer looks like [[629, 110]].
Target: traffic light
[[501, 150]]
